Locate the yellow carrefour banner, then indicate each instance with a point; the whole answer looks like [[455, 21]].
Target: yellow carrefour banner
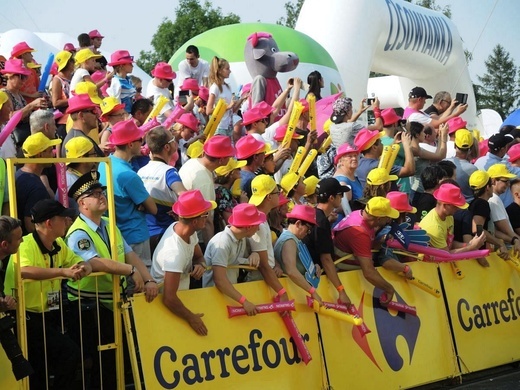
[[402, 350], [7, 379], [240, 352], [485, 312]]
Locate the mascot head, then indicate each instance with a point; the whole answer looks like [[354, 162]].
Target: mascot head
[[263, 58]]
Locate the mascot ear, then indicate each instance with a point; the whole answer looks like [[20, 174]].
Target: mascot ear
[[258, 53]]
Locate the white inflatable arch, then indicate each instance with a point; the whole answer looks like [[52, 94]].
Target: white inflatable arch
[[416, 45]]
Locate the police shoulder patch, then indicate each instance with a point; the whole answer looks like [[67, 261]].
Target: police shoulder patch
[[84, 244]]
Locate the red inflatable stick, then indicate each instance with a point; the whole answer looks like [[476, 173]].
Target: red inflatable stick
[[363, 329], [234, 311], [10, 126], [296, 336], [399, 306], [334, 310], [438, 255]]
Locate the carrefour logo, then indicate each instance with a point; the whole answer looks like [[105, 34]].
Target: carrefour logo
[[389, 329], [489, 313], [241, 359]]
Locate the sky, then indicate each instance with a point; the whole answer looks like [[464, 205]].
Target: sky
[[482, 24]]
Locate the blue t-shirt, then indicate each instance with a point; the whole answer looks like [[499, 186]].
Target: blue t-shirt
[[129, 193], [367, 164], [29, 190], [158, 223]]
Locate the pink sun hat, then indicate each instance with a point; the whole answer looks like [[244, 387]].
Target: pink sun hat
[[21, 48], [389, 116], [245, 215], [190, 121], [399, 201], [15, 66], [264, 108], [219, 146], [248, 146], [163, 70], [95, 34], [191, 204], [303, 212], [253, 115], [366, 138], [121, 57], [204, 94], [79, 103], [190, 85], [344, 149], [125, 132], [456, 123], [450, 194]]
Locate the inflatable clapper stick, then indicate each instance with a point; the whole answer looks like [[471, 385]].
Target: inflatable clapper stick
[[293, 121], [216, 117], [297, 160], [307, 162], [159, 104], [279, 307], [388, 157], [46, 73], [311, 99]]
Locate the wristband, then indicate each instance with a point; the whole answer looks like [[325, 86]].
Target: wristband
[[281, 292], [340, 288], [406, 268], [242, 300], [312, 290], [377, 112], [150, 281], [133, 271]]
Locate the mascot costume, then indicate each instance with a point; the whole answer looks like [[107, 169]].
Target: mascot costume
[[264, 60]]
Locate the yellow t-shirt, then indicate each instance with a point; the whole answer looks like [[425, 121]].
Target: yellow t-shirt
[[440, 232], [31, 255]]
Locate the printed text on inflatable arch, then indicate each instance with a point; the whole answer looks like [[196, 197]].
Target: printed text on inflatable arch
[[411, 30]]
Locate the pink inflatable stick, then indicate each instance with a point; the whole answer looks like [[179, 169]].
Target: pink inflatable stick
[[400, 306], [234, 311], [10, 126]]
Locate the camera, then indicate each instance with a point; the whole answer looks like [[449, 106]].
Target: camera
[[20, 365], [461, 98], [370, 101]]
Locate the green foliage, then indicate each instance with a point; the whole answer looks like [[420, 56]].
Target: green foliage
[[293, 11], [499, 89], [431, 4], [191, 19]]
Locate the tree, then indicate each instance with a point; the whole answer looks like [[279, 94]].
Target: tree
[[293, 11], [499, 90], [192, 19]]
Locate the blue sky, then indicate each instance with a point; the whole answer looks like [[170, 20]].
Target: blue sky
[[482, 24]]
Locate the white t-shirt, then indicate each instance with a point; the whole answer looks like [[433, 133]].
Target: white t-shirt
[[226, 94], [78, 76], [173, 254], [262, 241], [498, 211], [186, 71], [196, 176], [153, 92], [420, 117]]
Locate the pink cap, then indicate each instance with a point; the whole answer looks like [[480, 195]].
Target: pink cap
[[21, 48], [191, 204], [389, 116], [253, 115], [69, 47], [97, 76], [163, 70], [95, 34], [514, 152], [366, 138], [305, 105], [304, 213], [399, 201], [282, 199], [265, 108], [189, 120], [279, 134], [455, 124], [450, 194], [125, 132], [121, 57], [344, 149], [248, 146], [190, 85], [80, 102], [245, 89], [219, 146], [204, 93], [245, 214], [15, 66]]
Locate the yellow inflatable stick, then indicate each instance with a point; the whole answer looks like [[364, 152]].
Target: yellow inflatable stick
[[307, 162], [158, 106], [336, 314], [298, 158], [214, 120], [325, 144], [293, 121], [424, 286], [388, 157], [311, 99], [458, 272]]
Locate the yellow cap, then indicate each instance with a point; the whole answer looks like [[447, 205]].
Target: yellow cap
[[380, 207], [84, 55], [310, 185], [230, 167], [89, 88], [62, 59], [463, 139], [236, 188], [109, 104], [37, 143], [288, 181], [500, 170], [378, 176], [261, 186], [195, 149], [326, 126], [33, 65], [78, 147], [478, 179], [269, 150], [3, 98]]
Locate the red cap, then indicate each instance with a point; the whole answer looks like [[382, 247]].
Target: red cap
[[399, 201], [246, 214], [95, 34]]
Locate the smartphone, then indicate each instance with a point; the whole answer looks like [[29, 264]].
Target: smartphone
[[462, 98], [480, 229], [183, 97]]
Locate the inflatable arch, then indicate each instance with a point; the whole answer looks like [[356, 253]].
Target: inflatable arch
[[419, 46], [229, 42]]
